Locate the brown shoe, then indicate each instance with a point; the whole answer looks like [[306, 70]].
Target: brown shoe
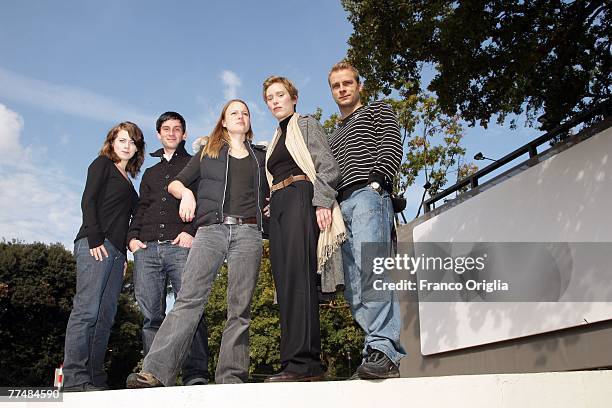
[[288, 376], [142, 380]]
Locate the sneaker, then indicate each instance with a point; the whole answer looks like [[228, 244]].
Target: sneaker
[[197, 381], [355, 376], [377, 365], [85, 387], [142, 380]]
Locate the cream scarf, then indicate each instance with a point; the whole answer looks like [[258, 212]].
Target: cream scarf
[[330, 239]]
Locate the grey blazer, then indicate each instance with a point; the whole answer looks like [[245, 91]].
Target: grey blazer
[[328, 171], [328, 176]]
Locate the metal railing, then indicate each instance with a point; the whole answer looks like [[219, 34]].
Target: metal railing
[[531, 148]]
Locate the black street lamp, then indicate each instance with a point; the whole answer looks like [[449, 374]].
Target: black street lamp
[[480, 156]]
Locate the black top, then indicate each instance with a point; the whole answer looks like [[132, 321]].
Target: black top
[[157, 214], [108, 202], [239, 192], [281, 165]]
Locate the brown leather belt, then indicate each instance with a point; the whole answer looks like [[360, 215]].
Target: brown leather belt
[[238, 220], [288, 181]]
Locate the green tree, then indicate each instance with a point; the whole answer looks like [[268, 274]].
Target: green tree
[[37, 284], [330, 124], [492, 57], [431, 140], [34, 310], [341, 339]]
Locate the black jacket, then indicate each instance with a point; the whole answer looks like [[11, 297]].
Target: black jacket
[[212, 177], [157, 214]]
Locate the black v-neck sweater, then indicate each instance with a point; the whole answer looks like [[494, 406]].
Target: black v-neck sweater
[[108, 202]]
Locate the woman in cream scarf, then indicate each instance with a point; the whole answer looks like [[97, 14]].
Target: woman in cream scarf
[[306, 229]]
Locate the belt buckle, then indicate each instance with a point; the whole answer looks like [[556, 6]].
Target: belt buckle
[[164, 241], [229, 220], [288, 181]]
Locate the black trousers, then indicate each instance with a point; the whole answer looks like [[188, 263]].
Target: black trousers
[[293, 252]]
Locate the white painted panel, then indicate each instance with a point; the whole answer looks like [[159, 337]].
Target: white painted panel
[[566, 198]]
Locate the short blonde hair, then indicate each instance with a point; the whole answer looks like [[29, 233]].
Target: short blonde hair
[[339, 66], [274, 79]]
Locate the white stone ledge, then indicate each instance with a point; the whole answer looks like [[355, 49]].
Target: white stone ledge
[[592, 389]]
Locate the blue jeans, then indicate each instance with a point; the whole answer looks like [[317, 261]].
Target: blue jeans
[[93, 313], [368, 217], [241, 246], [153, 267]]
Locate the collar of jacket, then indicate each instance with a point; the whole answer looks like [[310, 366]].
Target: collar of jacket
[[180, 151], [262, 146]]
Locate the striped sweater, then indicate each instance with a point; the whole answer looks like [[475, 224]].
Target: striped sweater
[[367, 146]]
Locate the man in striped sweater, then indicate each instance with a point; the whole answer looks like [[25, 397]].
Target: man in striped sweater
[[368, 149]]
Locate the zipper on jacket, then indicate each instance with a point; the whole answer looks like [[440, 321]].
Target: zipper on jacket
[[225, 183], [258, 188]]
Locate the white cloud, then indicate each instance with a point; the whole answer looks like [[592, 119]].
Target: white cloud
[[38, 202], [67, 99], [10, 130], [232, 83], [256, 109], [203, 123], [262, 122]]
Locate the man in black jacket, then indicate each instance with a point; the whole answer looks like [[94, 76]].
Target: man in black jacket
[[160, 242]]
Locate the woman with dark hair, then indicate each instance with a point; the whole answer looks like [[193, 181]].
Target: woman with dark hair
[[108, 201], [228, 213], [306, 229]]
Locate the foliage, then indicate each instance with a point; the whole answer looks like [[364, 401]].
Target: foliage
[[492, 57], [432, 140], [38, 284], [330, 124], [341, 339]]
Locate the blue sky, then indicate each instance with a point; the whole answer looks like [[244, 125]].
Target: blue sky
[[70, 70]]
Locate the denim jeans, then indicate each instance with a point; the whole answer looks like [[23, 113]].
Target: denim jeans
[[153, 267], [368, 217], [241, 246], [93, 313]]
